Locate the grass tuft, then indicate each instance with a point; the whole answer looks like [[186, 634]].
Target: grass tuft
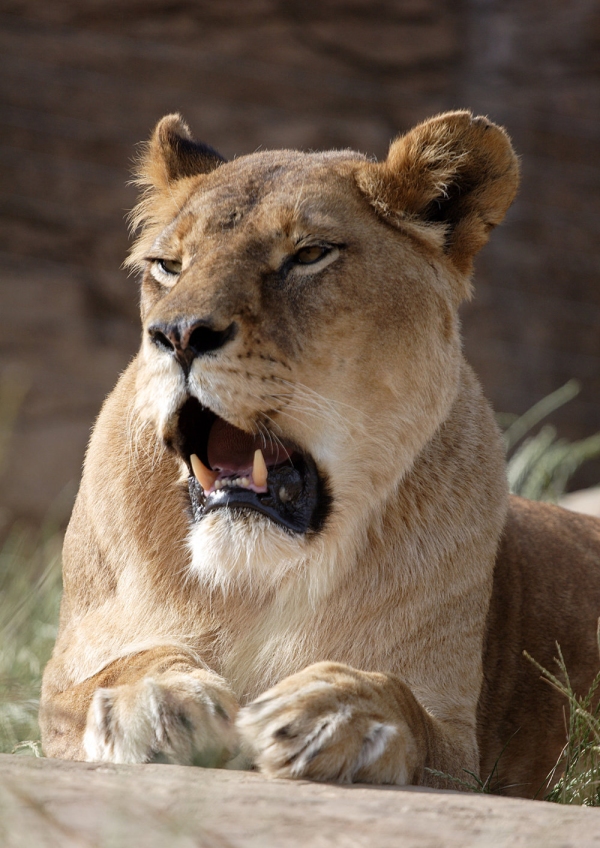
[[579, 763], [30, 588], [540, 466]]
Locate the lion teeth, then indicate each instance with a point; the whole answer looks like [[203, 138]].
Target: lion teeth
[[209, 479], [233, 482], [259, 469], [203, 475]]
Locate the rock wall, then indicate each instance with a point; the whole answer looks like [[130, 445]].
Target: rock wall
[[82, 83]]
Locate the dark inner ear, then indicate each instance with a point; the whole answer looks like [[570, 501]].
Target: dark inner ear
[[447, 208], [187, 158]]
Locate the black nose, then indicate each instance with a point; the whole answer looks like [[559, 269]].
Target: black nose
[[187, 339]]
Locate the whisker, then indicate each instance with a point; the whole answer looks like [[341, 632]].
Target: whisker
[[275, 440]]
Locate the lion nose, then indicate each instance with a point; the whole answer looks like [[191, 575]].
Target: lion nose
[[187, 340]]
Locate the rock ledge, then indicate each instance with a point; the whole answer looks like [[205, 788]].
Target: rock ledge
[[47, 803]]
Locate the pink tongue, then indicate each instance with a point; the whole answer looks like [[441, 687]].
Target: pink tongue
[[231, 450]]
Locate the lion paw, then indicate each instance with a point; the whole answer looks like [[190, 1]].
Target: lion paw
[[329, 723], [175, 719]]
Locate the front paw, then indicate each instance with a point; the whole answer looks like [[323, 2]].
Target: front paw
[[176, 718], [330, 722]]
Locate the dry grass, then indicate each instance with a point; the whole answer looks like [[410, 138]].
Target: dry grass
[[579, 763], [30, 585], [540, 464]]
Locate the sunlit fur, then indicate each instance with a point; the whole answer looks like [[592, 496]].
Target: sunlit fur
[[358, 362], [378, 630]]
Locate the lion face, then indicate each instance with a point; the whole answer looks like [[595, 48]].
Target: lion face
[[300, 341]]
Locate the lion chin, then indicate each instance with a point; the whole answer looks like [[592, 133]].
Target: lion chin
[[232, 548]]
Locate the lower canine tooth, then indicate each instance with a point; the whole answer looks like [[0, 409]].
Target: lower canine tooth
[[259, 469], [203, 475]]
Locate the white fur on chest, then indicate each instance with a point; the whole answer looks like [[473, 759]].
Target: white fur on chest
[[276, 642]]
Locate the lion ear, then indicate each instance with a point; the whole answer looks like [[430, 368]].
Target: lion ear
[[172, 154], [168, 160], [454, 172]]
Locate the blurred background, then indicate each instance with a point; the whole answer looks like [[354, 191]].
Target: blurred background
[[83, 82]]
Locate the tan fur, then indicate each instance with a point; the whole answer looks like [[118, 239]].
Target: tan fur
[[358, 651]]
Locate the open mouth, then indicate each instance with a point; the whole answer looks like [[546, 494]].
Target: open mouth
[[232, 469]]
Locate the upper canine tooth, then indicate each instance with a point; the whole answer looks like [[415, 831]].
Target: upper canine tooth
[[203, 475], [259, 469]]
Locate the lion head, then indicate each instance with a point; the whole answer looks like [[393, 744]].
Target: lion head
[[300, 332]]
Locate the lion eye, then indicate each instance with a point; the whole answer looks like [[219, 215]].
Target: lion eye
[[165, 271], [310, 255], [169, 266]]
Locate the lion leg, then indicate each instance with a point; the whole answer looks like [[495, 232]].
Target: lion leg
[[331, 722], [154, 706]]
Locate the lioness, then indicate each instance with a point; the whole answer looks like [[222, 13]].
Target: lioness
[[294, 498]]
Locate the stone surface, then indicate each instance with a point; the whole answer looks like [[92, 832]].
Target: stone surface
[[49, 803]]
